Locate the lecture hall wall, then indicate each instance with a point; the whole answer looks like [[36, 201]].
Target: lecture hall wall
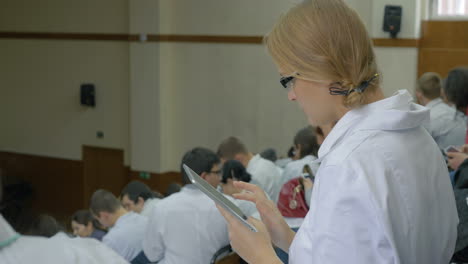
[[156, 100]]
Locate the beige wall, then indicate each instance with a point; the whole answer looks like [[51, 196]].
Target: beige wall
[[103, 16], [157, 100], [39, 102]]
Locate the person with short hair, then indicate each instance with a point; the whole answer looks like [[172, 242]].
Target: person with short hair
[[186, 227], [173, 188], [139, 198], [84, 225], [59, 249], [46, 226], [264, 172], [448, 125], [126, 229]]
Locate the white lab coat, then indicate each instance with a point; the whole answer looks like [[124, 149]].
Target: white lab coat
[[448, 126], [266, 175], [127, 234], [294, 168], [185, 227], [384, 197], [149, 206], [56, 250]]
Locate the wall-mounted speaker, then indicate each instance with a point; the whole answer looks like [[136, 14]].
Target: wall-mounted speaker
[[88, 95], [392, 19]]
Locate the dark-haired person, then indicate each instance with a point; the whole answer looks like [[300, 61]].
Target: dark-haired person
[[232, 171], [46, 226], [84, 225], [139, 198], [21, 249], [173, 188], [305, 151], [455, 90], [126, 229], [186, 227], [264, 172], [448, 125]]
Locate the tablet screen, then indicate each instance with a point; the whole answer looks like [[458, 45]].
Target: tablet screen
[[217, 197]]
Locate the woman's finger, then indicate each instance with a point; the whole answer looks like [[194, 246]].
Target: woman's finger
[[451, 155], [247, 196]]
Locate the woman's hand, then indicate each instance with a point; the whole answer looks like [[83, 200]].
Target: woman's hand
[[280, 233], [308, 184], [464, 149], [455, 159], [253, 247]]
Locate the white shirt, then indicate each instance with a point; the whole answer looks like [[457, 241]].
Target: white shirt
[[283, 162], [56, 250], [384, 196], [448, 126], [266, 175], [185, 227], [149, 206], [294, 168], [127, 234]]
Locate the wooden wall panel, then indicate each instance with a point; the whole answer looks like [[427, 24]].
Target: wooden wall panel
[[443, 46], [444, 34], [103, 168], [60, 185], [57, 183], [441, 60], [158, 181]]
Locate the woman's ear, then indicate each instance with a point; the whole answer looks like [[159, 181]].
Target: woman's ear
[[204, 175]]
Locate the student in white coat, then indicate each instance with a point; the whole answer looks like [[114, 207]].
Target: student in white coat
[[264, 172], [126, 229], [18, 249], [305, 150], [186, 227], [139, 198], [448, 125], [376, 199]]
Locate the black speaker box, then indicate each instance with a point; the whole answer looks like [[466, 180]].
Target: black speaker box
[[88, 95], [392, 19]]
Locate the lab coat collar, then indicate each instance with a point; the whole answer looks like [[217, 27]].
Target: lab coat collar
[[434, 103], [7, 234], [397, 112]]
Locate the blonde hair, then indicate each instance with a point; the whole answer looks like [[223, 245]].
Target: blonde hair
[[325, 40], [430, 85]]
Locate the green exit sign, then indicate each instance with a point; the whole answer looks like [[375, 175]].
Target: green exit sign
[[145, 175]]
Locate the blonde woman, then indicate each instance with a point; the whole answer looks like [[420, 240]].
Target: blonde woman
[[381, 194]]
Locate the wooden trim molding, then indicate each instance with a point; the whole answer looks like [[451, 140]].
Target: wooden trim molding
[[402, 43], [67, 36], [207, 39], [231, 39]]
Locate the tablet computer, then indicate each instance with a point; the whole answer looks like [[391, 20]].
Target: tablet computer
[[217, 197]]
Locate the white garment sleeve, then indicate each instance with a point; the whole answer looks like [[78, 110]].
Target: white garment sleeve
[[106, 240], [153, 243]]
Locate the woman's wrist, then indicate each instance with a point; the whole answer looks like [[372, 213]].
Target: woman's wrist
[[268, 256]]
